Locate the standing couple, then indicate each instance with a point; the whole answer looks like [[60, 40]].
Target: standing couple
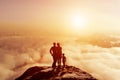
[[56, 52]]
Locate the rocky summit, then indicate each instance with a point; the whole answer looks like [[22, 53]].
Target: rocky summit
[[48, 73]]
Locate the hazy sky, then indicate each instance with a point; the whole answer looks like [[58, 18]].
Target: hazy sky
[[55, 15]]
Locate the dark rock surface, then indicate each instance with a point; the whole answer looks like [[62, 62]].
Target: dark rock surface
[[47, 73]]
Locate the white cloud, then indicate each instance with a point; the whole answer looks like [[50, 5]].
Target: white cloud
[[18, 54]]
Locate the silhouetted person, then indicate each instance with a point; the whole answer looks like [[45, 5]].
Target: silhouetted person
[[53, 52], [64, 60], [59, 54]]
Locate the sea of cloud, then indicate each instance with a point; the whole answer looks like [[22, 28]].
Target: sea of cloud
[[17, 53]]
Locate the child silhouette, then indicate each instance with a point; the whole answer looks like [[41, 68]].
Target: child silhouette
[[64, 60]]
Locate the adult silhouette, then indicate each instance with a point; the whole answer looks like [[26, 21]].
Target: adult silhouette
[[59, 54], [53, 52]]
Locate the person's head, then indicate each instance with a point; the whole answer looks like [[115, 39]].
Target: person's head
[[54, 44], [58, 44]]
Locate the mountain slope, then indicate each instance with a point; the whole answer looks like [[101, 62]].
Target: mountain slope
[[47, 73]]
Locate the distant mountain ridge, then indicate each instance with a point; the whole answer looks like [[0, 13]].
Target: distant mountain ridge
[[47, 73]]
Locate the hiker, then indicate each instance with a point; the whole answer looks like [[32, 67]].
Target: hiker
[[64, 60], [53, 52], [59, 54]]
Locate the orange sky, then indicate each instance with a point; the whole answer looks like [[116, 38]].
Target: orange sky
[[53, 16]]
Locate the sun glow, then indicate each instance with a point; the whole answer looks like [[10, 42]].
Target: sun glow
[[78, 22]]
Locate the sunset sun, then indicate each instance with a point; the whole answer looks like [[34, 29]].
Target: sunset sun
[[78, 22]]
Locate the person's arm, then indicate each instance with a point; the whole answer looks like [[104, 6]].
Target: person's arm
[[61, 50], [51, 50]]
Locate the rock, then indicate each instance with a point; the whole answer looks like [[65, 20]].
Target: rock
[[48, 73]]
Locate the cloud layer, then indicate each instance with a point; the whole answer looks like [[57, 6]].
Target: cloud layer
[[17, 53]]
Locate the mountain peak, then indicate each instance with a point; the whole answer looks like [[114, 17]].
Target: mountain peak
[[48, 73]]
